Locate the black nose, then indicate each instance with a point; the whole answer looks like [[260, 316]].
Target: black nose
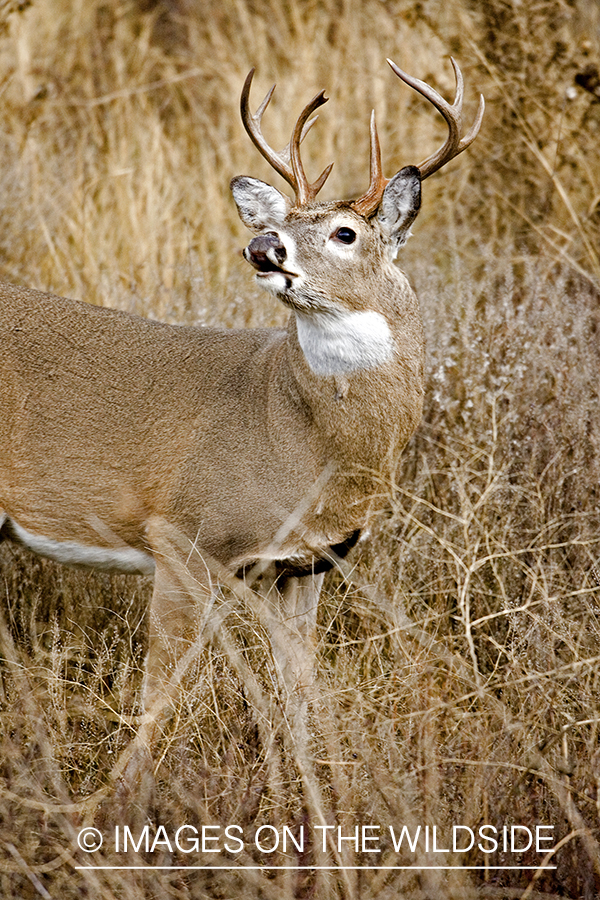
[[266, 252]]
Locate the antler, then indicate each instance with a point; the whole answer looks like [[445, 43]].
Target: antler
[[287, 161], [455, 143]]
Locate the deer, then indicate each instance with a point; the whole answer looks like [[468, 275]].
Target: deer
[[208, 455]]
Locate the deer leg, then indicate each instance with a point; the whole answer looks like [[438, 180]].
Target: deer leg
[[292, 628], [178, 618]]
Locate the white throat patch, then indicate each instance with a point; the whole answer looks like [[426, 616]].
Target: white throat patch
[[336, 343]]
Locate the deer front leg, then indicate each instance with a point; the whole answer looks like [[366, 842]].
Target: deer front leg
[[178, 617], [292, 631], [177, 634]]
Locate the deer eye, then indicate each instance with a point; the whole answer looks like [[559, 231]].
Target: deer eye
[[344, 235]]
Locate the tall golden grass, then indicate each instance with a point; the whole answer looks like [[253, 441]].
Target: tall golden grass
[[458, 657]]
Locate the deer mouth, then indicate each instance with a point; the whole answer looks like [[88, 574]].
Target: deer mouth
[[265, 267]]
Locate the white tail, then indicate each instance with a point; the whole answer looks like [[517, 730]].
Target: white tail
[[197, 453]]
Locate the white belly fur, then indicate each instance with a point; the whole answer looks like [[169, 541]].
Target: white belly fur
[[125, 559]]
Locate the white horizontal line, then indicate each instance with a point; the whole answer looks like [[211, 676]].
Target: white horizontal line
[[321, 868]]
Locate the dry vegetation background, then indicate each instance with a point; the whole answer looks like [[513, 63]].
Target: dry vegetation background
[[458, 663]]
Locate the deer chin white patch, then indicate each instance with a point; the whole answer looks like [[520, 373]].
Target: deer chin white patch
[[275, 282], [337, 343], [107, 559]]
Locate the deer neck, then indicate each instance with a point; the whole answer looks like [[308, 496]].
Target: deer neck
[[361, 377], [356, 423]]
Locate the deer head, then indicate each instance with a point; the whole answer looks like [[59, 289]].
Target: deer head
[[328, 261]]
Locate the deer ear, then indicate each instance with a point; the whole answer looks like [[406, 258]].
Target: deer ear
[[399, 206], [259, 205]]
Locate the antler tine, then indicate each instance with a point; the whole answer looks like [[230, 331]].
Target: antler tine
[[370, 200], [304, 190], [474, 129], [460, 85], [287, 161], [307, 126], [252, 124], [452, 113]]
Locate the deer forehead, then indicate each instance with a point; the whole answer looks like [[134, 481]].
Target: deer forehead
[[312, 232], [324, 218]]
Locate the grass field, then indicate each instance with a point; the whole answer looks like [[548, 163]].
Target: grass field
[[458, 657]]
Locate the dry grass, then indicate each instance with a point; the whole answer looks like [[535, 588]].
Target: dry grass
[[457, 661]]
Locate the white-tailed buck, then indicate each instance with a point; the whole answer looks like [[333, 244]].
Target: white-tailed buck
[[201, 453]]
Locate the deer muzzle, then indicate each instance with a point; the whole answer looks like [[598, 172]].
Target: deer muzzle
[[266, 253]]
